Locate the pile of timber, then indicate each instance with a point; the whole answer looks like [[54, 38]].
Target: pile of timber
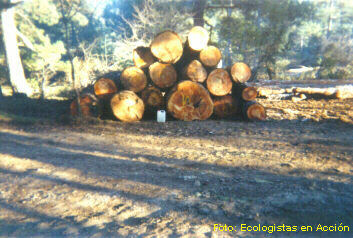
[[181, 78]]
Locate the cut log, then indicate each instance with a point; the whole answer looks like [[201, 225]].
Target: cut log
[[198, 38], [244, 92], [104, 87], [90, 106], [167, 47], [210, 56], [253, 111], [195, 72], [143, 57], [153, 98], [190, 101], [133, 79], [344, 92], [240, 72], [269, 92], [219, 82], [225, 106], [317, 93], [163, 75], [127, 106]]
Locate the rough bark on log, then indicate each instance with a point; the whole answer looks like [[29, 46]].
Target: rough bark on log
[[198, 38], [163, 75], [104, 87], [167, 47], [195, 72], [143, 57], [210, 56], [225, 106], [90, 106], [127, 106], [339, 93], [240, 72], [253, 111], [133, 79], [219, 82], [190, 101], [153, 98]]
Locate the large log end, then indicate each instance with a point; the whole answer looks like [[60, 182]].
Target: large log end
[[190, 101], [104, 87], [163, 75], [219, 82], [133, 79], [127, 106], [240, 72], [143, 57], [195, 72], [198, 38], [254, 111], [167, 47], [210, 56]]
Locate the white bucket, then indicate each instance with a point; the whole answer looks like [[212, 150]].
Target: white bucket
[[161, 116]]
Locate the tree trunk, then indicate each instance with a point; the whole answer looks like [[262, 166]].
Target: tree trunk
[[210, 56], [219, 82], [190, 101], [163, 75], [143, 57], [240, 72], [226, 106], [253, 111], [198, 11], [127, 106], [167, 47], [13, 59], [133, 79], [195, 72]]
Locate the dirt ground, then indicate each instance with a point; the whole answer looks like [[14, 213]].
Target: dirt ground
[[178, 179]]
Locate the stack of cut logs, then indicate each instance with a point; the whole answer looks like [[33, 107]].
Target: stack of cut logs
[[181, 78]]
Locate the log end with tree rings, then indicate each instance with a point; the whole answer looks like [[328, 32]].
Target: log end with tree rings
[[195, 72], [225, 106], [104, 87], [90, 106], [190, 101], [249, 93], [240, 72], [254, 111], [133, 79], [198, 38], [153, 98], [143, 57], [219, 82], [163, 75], [127, 106], [167, 47], [210, 56]]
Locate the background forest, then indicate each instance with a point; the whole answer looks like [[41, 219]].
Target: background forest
[[70, 42]]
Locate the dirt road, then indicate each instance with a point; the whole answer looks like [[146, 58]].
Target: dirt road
[[112, 179]]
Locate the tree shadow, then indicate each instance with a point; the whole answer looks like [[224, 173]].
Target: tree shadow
[[253, 194]]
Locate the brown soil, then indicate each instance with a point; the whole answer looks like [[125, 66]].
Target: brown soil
[[93, 178]]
